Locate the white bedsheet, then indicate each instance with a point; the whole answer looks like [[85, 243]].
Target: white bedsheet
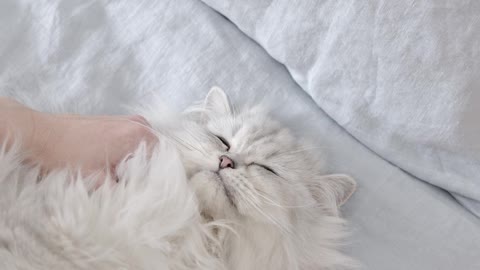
[[100, 56]]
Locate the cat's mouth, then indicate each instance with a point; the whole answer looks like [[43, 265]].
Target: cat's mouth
[[228, 190]]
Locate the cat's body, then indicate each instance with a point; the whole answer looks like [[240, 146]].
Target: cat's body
[[234, 190]]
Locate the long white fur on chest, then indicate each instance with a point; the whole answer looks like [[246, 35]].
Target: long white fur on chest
[[147, 221]]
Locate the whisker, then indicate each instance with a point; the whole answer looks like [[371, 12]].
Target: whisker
[[301, 150], [250, 200], [167, 135], [223, 224], [203, 151], [265, 196]]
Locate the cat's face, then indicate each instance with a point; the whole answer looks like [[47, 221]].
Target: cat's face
[[243, 164]]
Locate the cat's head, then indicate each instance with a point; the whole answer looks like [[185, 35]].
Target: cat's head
[[244, 164]]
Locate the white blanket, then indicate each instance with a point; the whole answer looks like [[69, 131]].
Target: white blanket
[[101, 56]]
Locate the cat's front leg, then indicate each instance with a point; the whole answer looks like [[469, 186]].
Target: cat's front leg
[[218, 235]]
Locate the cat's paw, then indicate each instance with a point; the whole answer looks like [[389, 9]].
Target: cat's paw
[[218, 235]]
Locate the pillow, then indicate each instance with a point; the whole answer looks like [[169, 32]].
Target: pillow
[[402, 77]]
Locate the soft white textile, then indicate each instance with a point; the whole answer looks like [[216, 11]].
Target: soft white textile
[[100, 56], [403, 77]]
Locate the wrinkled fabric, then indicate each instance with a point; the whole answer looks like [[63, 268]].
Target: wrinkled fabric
[[403, 77], [102, 57]]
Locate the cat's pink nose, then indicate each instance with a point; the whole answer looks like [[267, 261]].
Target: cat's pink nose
[[226, 162]]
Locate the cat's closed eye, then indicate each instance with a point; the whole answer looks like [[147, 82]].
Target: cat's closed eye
[[223, 141], [264, 167]]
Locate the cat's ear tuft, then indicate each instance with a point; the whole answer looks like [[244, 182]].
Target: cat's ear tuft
[[341, 186], [217, 101]]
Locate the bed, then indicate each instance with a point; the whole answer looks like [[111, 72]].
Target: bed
[[389, 91]]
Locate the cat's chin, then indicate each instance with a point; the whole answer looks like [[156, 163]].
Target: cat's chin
[[215, 200]]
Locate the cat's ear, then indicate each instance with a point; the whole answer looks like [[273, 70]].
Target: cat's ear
[[217, 101], [340, 186]]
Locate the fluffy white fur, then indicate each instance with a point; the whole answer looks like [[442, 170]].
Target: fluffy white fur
[[177, 210]]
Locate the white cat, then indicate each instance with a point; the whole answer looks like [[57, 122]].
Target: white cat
[[224, 189]]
